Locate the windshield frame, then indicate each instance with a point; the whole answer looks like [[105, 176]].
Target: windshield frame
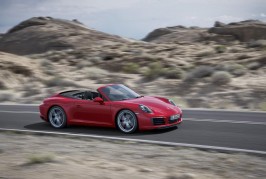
[[125, 93]]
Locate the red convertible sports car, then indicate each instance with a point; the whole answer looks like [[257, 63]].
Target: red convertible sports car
[[113, 105]]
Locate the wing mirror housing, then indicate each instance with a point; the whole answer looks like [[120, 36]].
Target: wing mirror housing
[[98, 100]]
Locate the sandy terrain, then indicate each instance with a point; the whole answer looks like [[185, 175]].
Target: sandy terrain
[[197, 70], [34, 156]]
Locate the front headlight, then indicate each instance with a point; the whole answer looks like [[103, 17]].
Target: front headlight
[[175, 117], [172, 102], [145, 108]]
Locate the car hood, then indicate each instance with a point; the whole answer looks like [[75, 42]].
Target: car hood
[[155, 104]]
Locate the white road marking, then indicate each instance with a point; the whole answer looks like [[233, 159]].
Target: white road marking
[[12, 104], [228, 149], [225, 121], [20, 112]]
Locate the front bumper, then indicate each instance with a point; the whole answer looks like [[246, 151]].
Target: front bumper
[[43, 112], [146, 122]]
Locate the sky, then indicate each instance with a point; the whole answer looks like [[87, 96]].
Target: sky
[[133, 18]]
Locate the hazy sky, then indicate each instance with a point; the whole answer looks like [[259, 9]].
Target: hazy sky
[[133, 18]]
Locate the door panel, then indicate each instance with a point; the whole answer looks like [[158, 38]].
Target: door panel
[[91, 112]]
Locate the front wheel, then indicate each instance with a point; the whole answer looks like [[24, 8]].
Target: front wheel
[[127, 121], [57, 117]]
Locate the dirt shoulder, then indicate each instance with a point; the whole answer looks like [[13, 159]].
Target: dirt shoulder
[[32, 156]]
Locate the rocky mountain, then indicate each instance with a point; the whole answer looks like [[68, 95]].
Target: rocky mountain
[[42, 34], [197, 67], [243, 31]]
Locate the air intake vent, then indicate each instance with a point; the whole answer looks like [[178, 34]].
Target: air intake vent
[[158, 121]]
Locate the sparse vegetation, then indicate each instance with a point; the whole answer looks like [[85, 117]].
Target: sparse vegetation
[[235, 69], [39, 159], [2, 85], [221, 78], [257, 43], [131, 68], [155, 70], [83, 64], [254, 66], [59, 81], [220, 49], [30, 90], [100, 58], [45, 63], [262, 106], [199, 72], [173, 73], [205, 53], [22, 70], [5, 97]]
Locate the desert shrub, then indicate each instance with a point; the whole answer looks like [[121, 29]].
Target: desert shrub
[[199, 72], [243, 56], [50, 72], [235, 50], [221, 78], [173, 73], [22, 70], [236, 69], [5, 97], [59, 81], [95, 59], [30, 91], [220, 49], [38, 159], [205, 53], [45, 63], [254, 66], [131, 68], [83, 64], [262, 106], [154, 71], [257, 43], [2, 85]]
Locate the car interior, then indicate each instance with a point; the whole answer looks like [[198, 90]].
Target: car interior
[[83, 95]]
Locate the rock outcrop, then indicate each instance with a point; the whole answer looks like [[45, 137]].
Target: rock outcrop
[[243, 31], [41, 34], [175, 34]]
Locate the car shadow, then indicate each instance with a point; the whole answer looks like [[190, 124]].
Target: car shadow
[[89, 130]]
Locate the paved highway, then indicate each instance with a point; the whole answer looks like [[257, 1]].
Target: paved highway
[[241, 130]]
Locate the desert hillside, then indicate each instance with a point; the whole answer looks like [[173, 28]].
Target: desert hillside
[[219, 67]]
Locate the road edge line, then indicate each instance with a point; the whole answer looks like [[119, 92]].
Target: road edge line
[[200, 147]]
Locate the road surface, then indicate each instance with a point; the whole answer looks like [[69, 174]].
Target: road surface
[[241, 130]]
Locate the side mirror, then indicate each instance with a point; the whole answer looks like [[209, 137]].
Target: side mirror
[[98, 100]]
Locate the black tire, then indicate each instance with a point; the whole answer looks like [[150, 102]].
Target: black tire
[[126, 121], [57, 117]]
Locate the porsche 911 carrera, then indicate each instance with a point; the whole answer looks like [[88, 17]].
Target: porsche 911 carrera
[[113, 105]]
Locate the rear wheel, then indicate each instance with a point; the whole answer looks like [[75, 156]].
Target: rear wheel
[[57, 117], [127, 121]]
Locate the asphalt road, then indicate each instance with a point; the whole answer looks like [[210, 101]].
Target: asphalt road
[[241, 130]]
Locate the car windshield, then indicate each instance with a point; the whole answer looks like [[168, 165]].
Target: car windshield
[[119, 93]]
